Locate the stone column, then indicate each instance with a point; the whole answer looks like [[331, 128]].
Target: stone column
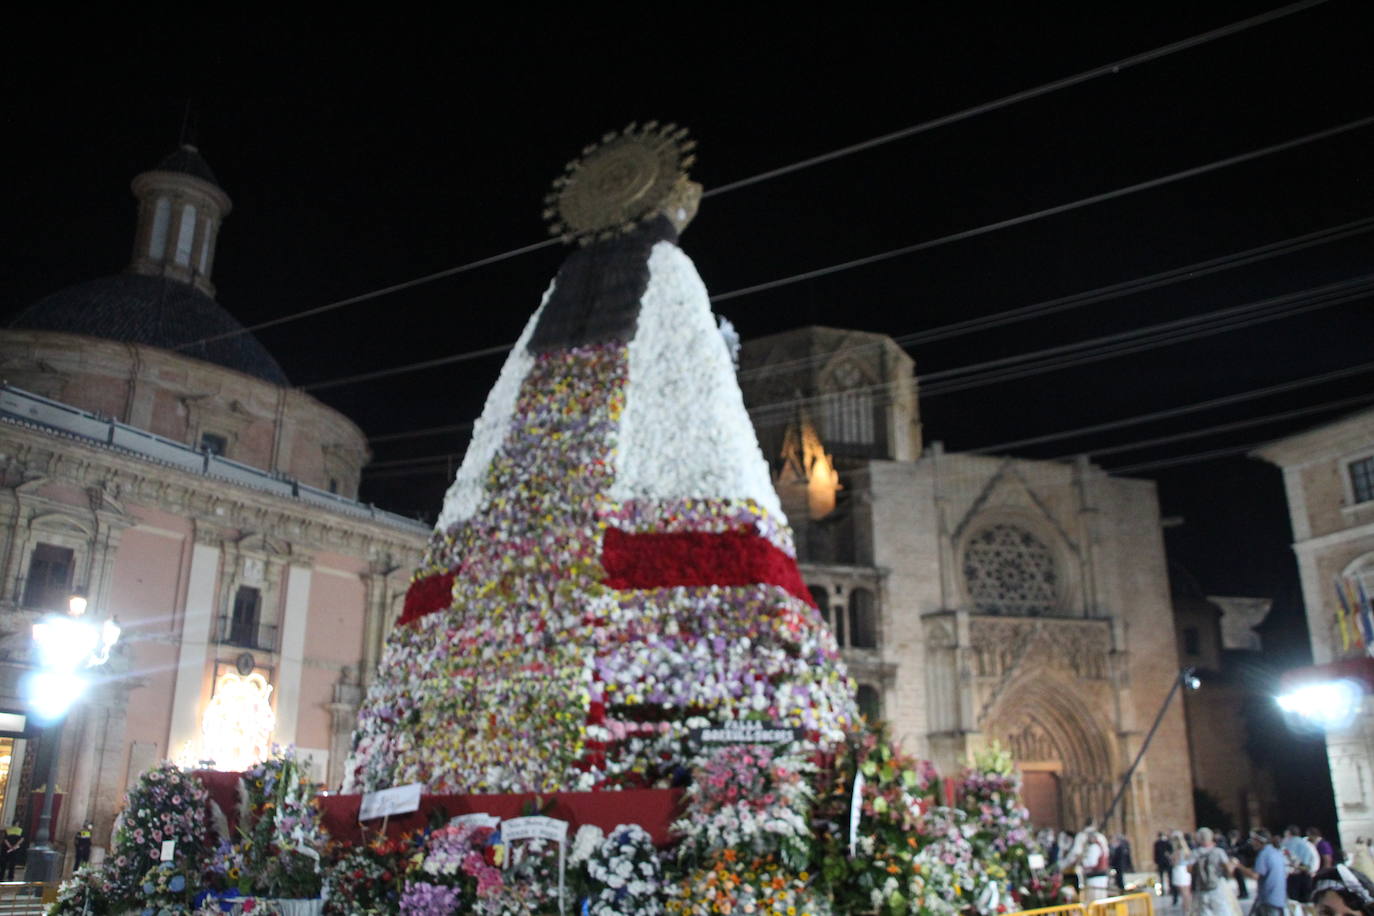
[[196, 630], [295, 616]]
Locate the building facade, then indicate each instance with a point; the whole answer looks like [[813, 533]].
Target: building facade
[[155, 457], [978, 598], [1328, 475]]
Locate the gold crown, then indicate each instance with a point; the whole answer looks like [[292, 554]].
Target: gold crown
[[630, 175]]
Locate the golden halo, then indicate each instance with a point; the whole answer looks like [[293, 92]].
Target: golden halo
[[629, 175]]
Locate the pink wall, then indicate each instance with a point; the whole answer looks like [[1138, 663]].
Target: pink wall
[[146, 593], [334, 633]]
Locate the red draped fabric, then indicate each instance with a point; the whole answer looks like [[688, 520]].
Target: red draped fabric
[[695, 558], [653, 809]]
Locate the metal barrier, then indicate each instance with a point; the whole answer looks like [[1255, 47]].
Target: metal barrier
[[1125, 905], [22, 898], [1068, 909]]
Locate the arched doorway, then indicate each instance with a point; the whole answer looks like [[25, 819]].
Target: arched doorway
[[1063, 747]]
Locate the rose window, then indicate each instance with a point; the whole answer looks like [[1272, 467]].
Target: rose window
[[1010, 571]]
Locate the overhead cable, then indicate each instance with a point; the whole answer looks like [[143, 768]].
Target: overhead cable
[[963, 115]]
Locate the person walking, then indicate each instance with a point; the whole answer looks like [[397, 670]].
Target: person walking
[[1121, 860], [1270, 874], [1240, 851], [1096, 861], [1303, 863], [1161, 852], [1211, 867], [1180, 864]]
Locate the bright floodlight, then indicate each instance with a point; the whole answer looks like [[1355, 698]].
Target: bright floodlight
[[1326, 704], [52, 693], [76, 604], [65, 643]]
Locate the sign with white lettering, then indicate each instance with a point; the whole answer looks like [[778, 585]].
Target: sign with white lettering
[[386, 802], [748, 731], [540, 828]]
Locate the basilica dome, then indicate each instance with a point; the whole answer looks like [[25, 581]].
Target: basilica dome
[[158, 312]]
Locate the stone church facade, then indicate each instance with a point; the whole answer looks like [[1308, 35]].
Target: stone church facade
[[978, 598]]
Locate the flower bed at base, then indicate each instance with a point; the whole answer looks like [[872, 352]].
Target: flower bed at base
[[759, 830]]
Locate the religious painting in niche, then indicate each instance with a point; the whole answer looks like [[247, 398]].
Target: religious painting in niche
[[1010, 571]]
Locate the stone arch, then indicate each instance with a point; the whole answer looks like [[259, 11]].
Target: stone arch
[[1051, 727]]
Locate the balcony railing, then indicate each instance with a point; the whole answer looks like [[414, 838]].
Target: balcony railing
[[27, 407]]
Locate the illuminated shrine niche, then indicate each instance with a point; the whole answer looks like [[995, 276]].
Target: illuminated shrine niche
[[236, 731]]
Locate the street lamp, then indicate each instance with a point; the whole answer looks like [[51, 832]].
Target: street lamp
[[1326, 697], [1187, 678], [67, 644]]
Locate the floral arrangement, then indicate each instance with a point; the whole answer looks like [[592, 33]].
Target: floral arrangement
[[745, 884], [367, 880], [86, 891], [883, 875], [165, 804], [604, 570], [164, 891], [747, 839], [624, 874], [749, 799], [989, 793], [278, 850]]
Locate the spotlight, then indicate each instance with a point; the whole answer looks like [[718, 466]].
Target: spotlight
[[1324, 704]]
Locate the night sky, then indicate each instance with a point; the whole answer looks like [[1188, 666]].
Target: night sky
[[362, 153]]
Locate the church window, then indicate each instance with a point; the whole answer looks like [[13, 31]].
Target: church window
[[203, 267], [1008, 570], [863, 620], [1362, 479], [157, 239], [870, 702], [49, 582], [849, 408], [1192, 643], [243, 623], [186, 234]]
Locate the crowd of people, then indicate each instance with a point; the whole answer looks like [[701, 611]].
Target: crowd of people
[[1225, 874]]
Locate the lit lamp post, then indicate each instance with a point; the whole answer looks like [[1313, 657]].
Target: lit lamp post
[[1187, 678], [67, 644]]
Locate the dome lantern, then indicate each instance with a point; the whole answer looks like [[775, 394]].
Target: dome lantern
[[179, 212]]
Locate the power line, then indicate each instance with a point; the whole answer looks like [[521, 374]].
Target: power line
[[1212, 323], [1113, 345], [945, 120], [1062, 357], [1088, 297], [1168, 413], [909, 249], [1224, 427], [421, 433], [438, 462], [1193, 458], [1005, 101], [376, 293], [1047, 211], [1026, 312]]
